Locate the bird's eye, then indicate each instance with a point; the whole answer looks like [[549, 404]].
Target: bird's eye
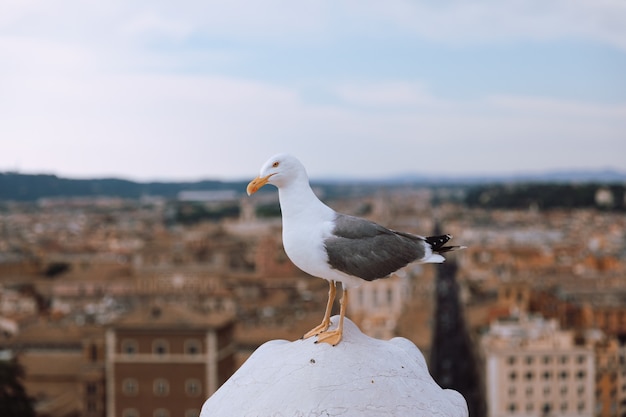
[[275, 164]]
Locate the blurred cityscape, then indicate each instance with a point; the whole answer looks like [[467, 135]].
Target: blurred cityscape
[[137, 307]]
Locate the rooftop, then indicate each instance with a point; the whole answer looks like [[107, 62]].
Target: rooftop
[[168, 315]]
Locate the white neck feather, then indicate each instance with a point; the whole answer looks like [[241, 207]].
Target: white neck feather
[[297, 199]]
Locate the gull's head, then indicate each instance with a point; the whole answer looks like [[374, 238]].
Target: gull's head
[[280, 170]]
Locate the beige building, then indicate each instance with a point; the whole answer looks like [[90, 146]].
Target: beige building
[[376, 306], [63, 368], [533, 368]]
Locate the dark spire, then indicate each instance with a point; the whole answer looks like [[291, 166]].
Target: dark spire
[[453, 359]]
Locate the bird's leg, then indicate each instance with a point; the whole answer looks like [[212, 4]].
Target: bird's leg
[[334, 336], [326, 321]]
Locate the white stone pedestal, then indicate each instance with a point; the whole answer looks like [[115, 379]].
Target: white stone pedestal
[[361, 376]]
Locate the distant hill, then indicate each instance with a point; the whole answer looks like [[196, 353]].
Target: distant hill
[[30, 187], [24, 187], [547, 196], [605, 176]]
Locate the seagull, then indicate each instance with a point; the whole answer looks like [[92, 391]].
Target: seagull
[[335, 246]]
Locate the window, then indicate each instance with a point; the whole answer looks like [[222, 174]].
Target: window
[[193, 347], [513, 376], [129, 346], [547, 375], [130, 412], [581, 359], [93, 353], [599, 408], [529, 360], [161, 387], [192, 413], [91, 388], [130, 387], [580, 374], [160, 347], [511, 360], [512, 407], [193, 387], [161, 412], [547, 407], [529, 375], [563, 374]]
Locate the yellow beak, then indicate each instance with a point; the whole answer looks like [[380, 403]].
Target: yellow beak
[[256, 184]]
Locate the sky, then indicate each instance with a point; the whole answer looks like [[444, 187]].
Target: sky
[[187, 90]]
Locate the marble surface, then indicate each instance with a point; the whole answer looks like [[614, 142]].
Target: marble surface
[[361, 376]]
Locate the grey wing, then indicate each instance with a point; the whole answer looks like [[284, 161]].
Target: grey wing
[[369, 251]]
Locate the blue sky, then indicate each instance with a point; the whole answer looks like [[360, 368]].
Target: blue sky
[[199, 89]]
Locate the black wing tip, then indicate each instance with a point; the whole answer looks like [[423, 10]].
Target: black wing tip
[[437, 244]]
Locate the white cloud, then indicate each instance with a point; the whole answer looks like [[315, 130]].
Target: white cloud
[[454, 21], [143, 125], [558, 107], [493, 21], [386, 94], [88, 88], [150, 24], [190, 127], [30, 55]]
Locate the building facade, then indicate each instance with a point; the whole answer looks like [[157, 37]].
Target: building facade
[[532, 368], [376, 306], [63, 368], [164, 361], [610, 378]]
